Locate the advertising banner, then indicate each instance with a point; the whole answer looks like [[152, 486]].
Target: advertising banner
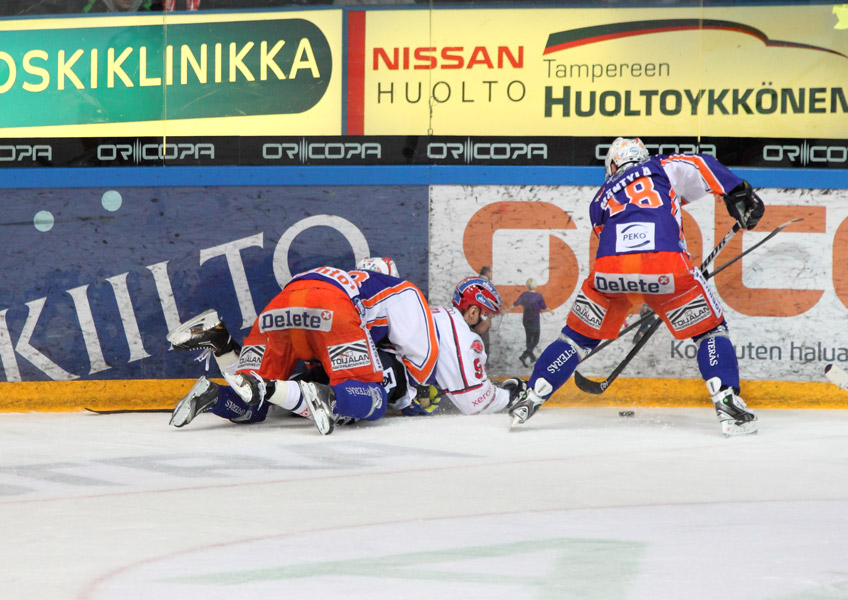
[[781, 301], [733, 71], [284, 150], [91, 280], [204, 74]]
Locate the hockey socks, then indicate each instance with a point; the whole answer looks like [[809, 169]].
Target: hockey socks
[[717, 357], [560, 359], [360, 400], [231, 406]]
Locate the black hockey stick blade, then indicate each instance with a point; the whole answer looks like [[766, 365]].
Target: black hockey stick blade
[[599, 387], [128, 411]]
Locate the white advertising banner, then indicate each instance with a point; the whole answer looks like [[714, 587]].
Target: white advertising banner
[[786, 303]]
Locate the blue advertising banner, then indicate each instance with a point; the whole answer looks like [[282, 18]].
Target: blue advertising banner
[[93, 278]]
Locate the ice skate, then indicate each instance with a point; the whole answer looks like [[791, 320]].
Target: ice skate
[[321, 401], [205, 331], [524, 407], [732, 413], [202, 396]]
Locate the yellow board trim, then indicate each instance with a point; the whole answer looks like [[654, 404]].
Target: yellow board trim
[[693, 392], [65, 396], [149, 394]]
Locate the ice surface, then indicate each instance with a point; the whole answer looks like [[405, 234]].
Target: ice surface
[[578, 503]]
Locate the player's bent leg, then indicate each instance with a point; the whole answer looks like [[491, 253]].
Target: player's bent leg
[[231, 406], [360, 400], [720, 370], [207, 396], [559, 360], [555, 366]]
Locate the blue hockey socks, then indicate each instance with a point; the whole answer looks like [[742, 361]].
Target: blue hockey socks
[[717, 357], [560, 359], [231, 406], [360, 400]]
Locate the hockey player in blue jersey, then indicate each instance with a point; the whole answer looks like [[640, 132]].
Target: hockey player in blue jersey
[[642, 257], [327, 316]]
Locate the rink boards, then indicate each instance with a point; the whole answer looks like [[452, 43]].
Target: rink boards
[[101, 263]]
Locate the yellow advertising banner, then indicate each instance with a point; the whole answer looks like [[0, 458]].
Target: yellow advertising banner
[[723, 71], [260, 73]]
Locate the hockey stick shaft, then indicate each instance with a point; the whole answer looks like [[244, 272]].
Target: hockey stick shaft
[[773, 233], [599, 387], [123, 411]]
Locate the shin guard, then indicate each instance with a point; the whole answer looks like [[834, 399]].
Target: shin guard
[[560, 359], [231, 406], [360, 400], [717, 357]]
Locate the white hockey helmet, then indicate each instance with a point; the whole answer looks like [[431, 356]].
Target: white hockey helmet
[[624, 153], [384, 265]]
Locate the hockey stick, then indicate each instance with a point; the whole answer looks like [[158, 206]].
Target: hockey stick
[[837, 375], [773, 233], [599, 387], [128, 411]]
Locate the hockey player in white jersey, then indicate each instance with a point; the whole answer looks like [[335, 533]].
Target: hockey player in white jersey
[[461, 367]]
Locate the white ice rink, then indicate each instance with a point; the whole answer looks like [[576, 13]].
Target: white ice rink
[[580, 503]]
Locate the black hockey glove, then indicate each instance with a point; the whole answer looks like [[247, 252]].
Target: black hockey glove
[[744, 205], [516, 388]]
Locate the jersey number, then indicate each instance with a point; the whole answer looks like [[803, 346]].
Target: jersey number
[[478, 368], [641, 193]]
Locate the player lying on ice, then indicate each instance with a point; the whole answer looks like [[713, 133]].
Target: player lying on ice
[[637, 217], [459, 372]]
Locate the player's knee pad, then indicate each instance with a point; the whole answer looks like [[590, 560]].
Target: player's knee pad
[[231, 406], [717, 356], [360, 400]]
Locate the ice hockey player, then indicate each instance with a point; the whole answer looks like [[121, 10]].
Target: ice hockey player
[[642, 256], [319, 317], [461, 367], [460, 372]]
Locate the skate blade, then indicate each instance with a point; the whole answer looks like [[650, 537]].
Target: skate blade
[[183, 332], [322, 420], [731, 429], [182, 413], [515, 422]]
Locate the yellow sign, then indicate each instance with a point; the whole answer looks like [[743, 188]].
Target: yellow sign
[[728, 71]]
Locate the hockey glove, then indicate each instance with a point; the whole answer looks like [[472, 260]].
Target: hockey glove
[[744, 205], [516, 388], [426, 403]]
